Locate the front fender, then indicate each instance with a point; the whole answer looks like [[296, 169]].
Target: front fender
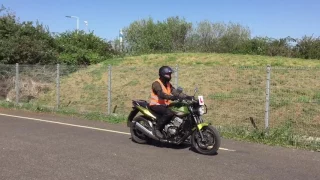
[[201, 125]]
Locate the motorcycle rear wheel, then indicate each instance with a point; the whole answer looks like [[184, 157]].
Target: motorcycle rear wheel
[[136, 135]]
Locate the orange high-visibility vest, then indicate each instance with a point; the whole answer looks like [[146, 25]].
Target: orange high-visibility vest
[[155, 100]]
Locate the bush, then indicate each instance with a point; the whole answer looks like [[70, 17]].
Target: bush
[[29, 43], [82, 48], [25, 42], [32, 43]]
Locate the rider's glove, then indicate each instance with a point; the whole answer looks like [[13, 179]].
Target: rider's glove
[[190, 98], [174, 98]]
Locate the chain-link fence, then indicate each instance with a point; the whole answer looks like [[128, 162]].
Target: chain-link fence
[[234, 95], [7, 82], [295, 96]]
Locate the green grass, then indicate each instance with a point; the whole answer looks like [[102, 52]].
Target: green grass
[[220, 96], [316, 95], [214, 59], [96, 116], [282, 135]]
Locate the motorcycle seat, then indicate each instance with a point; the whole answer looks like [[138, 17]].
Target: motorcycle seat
[[146, 105], [141, 103]]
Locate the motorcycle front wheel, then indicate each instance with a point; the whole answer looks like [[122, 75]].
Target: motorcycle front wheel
[[211, 142]]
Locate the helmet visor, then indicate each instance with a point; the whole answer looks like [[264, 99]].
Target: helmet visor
[[168, 75]]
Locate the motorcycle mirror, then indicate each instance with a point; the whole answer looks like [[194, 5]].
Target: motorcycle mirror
[[195, 91], [179, 89]]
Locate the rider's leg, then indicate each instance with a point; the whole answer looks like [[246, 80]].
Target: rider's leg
[[166, 115]]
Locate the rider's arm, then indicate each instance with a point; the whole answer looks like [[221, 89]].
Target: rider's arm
[[156, 87], [175, 93]]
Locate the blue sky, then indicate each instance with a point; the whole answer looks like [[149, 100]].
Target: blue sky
[[273, 18]]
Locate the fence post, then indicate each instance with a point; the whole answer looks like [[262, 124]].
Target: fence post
[[58, 86], [176, 76], [17, 84], [266, 119], [109, 89]]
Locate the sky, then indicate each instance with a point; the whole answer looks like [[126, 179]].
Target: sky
[[273, 18]]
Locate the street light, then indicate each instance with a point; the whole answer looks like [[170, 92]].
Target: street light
[[86, 23], [77, 21]]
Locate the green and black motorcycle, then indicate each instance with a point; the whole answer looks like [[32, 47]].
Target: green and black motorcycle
[[187, 123]]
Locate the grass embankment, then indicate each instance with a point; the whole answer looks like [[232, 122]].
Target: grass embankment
[[234, 88]]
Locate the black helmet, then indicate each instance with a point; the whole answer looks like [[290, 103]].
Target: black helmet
[[165, 72]]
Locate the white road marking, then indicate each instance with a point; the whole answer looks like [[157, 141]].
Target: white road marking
[[66, 124], [87, 127], [227, 149]]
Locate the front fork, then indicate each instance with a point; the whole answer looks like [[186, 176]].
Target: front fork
[[201, 135], [199, 125]]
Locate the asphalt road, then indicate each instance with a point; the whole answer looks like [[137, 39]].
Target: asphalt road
[[73, 148]]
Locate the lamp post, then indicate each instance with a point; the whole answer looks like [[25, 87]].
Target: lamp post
[[86, 23], [77, 21], [120, 39]]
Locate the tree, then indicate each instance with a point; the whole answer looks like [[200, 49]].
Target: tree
[[82, 48], [147, 36], [308, 47], [24, 42]]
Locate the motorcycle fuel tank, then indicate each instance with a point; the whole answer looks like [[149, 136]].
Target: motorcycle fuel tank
[[179, 109]]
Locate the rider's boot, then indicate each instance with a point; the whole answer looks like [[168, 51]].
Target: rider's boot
[[159, 126]]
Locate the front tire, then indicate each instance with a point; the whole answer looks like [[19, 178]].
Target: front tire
[[138, 136], [211, 143]]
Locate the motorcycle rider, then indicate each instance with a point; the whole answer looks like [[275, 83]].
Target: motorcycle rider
[[162, 94]]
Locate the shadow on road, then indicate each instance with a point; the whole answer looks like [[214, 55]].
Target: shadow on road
[[184, 145]]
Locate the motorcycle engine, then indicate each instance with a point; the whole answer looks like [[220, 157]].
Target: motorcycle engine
[[172, 127]]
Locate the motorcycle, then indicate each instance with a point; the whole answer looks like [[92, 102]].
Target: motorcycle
[[187, 123]]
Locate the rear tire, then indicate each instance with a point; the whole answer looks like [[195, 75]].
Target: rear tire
[[212, 136], [138, 136]]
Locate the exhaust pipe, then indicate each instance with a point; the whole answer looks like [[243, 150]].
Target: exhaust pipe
[[145, 131]]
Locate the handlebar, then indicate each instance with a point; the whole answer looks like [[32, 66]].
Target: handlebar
[[186, 101]]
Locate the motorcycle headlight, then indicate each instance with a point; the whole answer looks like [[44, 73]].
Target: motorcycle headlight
[[201, 110]]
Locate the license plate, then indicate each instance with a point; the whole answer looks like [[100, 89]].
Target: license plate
[[201, 101]]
